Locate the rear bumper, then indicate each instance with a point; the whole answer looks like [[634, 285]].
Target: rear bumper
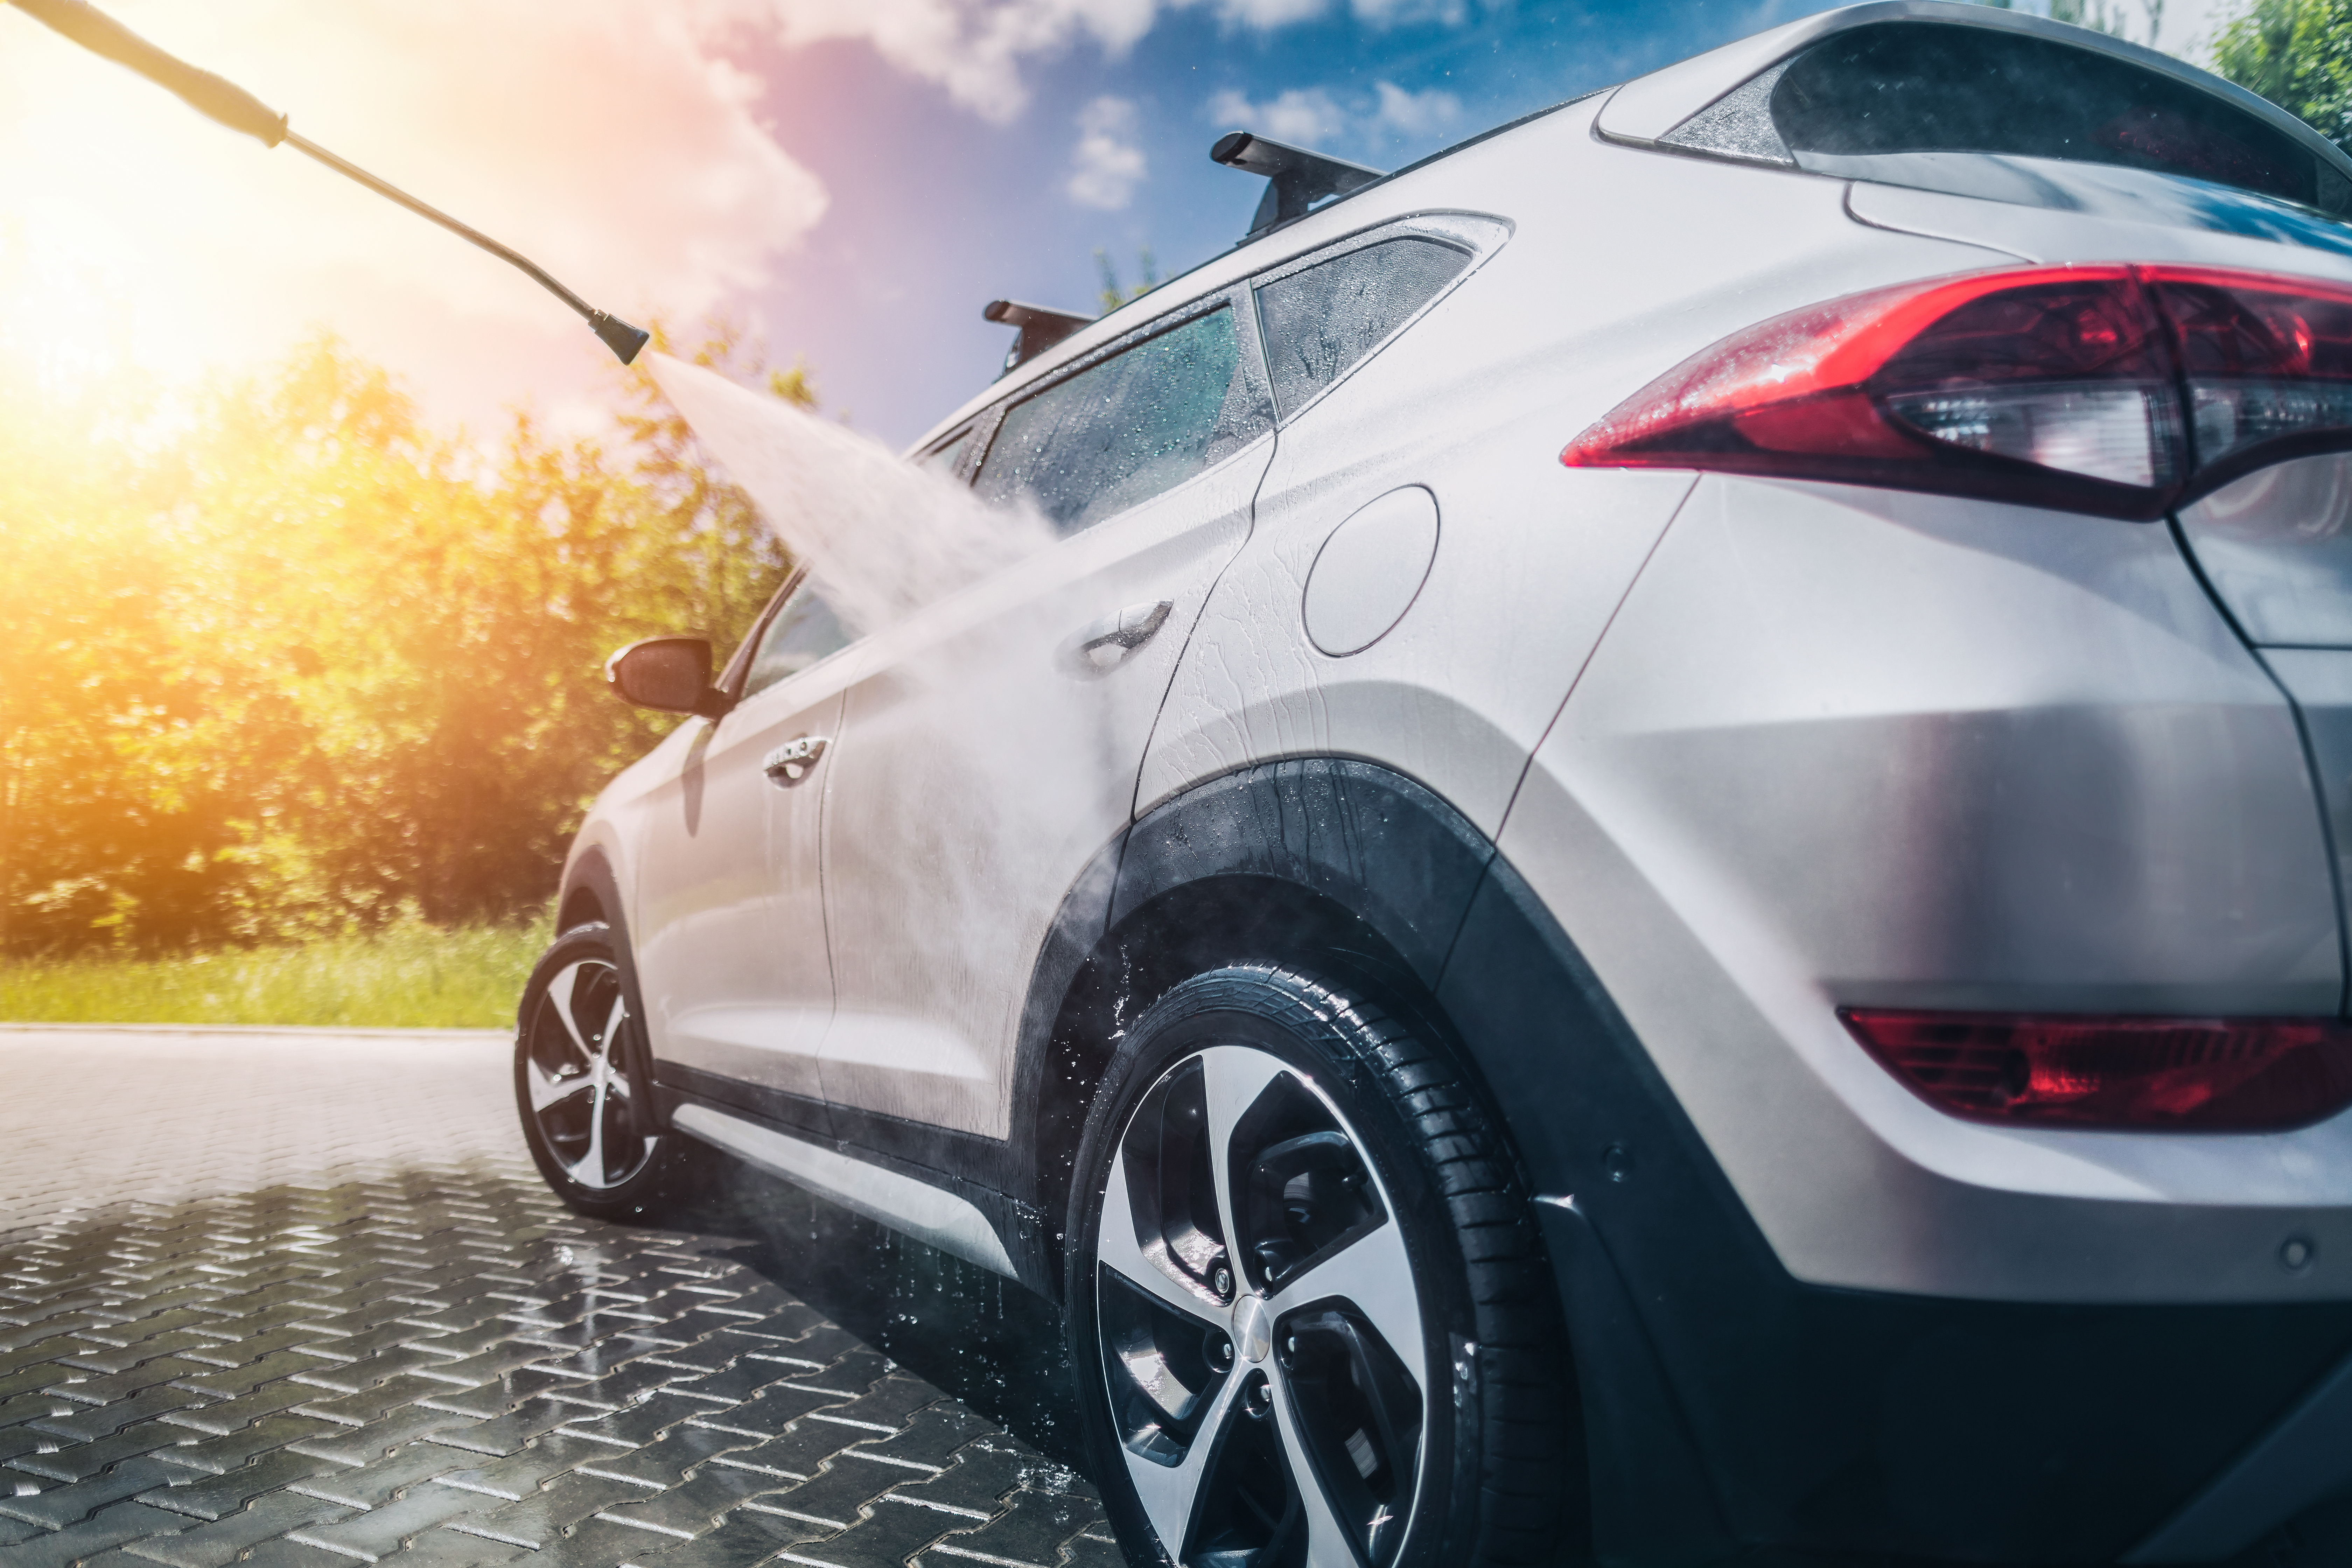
[[1731, 1405]]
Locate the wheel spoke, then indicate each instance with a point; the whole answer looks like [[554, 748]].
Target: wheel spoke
[[1116, 1245], [1171, 1493], [1375, 1277], [559, 996], [548, 1091], [590, 1170], [1328, 1541], [1234, 1078]]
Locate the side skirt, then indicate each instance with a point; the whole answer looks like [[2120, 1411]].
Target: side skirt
[[929, 1214]]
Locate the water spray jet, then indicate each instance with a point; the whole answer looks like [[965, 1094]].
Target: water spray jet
[[218, 99]]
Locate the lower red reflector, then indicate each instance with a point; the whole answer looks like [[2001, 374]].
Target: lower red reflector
[[2201, 1075]]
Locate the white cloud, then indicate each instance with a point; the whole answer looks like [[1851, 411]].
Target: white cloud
[[1266, 15], [1416, 114], [1313, 117], [1306, 117], [1109, 165], [1400, 13], [973, 48], [607, 140]]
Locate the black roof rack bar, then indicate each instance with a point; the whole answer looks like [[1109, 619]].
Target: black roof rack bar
[[1296, 178], [1041, 329]]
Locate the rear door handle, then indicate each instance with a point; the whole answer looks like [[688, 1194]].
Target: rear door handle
[[790, 763], [1103, 646]]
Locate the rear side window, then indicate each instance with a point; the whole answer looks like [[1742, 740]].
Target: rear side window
[[1321, 320], [1122, 431], [942, 459], [803, 631], [1918, 88]]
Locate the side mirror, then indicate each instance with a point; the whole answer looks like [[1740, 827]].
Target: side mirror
[[672, 674]]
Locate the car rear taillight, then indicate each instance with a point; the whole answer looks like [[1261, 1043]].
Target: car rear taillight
[[2122, 391], [2202, 1075]]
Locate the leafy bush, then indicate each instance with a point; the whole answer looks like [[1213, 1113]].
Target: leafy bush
[[284, 662]]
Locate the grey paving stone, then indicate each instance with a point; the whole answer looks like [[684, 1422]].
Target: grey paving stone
[[482, 1364], [380, 1532], [1032, 1530], [399, 1424], [228, 1382], [224, 1540], [109, 1527], [79, 1461], [376, 1483], [538, 1518], [449, 1548], [278, 1553], [837, 1493], [57, 1507], [977, 1479], [1091, 1551], [83, 1424], [220, 1454], [885, 1538], [210, 1497]]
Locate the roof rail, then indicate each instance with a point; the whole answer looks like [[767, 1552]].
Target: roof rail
[[1296, 178], [1041, 329]]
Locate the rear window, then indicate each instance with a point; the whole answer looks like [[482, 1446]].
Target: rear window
[[1914, 88]]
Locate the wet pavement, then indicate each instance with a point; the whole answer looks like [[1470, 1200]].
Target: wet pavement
[[302, 1299]]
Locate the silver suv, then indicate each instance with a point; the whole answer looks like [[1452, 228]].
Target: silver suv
[[1654, 871]]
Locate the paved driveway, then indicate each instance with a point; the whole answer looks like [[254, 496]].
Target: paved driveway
[[299, 1300]]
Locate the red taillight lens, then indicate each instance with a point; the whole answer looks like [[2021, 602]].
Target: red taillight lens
[[2202, 1075], [2052, 387]]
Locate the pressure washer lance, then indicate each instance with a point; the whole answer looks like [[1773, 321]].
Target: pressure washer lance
[[239, 111]]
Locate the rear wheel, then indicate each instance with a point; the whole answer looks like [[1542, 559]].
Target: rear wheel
[[583, 1086], [1305, 1298]]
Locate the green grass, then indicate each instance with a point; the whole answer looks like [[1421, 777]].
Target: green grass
[[412, 976]]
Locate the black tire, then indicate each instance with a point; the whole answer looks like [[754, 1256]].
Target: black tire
[[1362, 1118], [583, 1086]]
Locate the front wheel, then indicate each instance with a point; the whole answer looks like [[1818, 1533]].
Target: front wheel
[[1307, 1302], [585, 1091]]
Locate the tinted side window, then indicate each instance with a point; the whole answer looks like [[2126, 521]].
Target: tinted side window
[[1909, 87], [1323, 320], [941, 461], [803, 632], [1122, 431]]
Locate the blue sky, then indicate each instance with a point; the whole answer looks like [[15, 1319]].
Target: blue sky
[[935, 209], [851, 179]]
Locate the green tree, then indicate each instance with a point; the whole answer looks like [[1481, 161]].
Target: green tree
[[2298, 54], [291, 661], [1114, 294]]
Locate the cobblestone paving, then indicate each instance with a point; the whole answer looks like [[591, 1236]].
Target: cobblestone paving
[[430, 1361]]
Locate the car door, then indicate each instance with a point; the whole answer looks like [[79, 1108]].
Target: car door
[[993, 741], [730, 940]]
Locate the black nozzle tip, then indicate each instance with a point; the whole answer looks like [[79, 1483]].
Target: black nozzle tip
[[617, 335]]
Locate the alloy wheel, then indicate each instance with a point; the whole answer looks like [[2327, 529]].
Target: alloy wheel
[[579, 1088], [1261, 1331]]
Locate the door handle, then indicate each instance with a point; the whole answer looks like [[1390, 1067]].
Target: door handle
[[1103, 646], [790, 763]]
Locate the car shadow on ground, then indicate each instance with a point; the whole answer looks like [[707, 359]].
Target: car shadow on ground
[[975, 1334]]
